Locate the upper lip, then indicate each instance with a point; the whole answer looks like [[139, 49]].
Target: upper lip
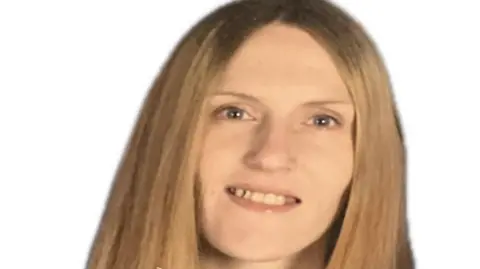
[[263, 189]]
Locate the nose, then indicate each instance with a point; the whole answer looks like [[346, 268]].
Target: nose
[[270, 149]]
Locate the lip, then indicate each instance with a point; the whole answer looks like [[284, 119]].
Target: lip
[[264, 189], [259, 207]]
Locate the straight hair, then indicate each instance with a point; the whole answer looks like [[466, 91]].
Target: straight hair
[[151, 216]]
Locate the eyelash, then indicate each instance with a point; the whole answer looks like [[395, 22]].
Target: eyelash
[[219, 114], [330, 120], [226, 109]]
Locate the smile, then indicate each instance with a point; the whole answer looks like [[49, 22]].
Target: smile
[[261, 201]]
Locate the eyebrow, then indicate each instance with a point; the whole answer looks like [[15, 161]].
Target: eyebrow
[[239, 95], [308, 104]]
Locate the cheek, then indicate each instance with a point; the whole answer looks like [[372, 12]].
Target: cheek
[[221, 157], [335, 163], [220, 161], [330, 157], [328, 166]]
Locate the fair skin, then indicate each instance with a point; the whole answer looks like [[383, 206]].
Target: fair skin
[[280, 124]]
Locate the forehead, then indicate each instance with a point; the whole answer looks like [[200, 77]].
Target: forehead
[[286, 61]]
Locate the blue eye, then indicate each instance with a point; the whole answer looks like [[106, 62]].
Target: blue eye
[[324, 121]]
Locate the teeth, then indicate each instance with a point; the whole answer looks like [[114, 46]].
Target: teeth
[[239, 192], [270, 199], [258, 197], [280, 199]]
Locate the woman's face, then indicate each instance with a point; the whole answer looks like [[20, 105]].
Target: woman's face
[[278, 151]]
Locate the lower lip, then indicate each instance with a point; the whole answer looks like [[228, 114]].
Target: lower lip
[[259, 207]]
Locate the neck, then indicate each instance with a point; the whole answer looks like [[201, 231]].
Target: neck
[[240, 264], [310, 258]]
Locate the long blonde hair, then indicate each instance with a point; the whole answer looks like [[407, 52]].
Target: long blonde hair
[[150, 217]]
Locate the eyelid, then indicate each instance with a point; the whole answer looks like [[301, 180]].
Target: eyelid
[[222, 108], [337, 119], [331, 113]]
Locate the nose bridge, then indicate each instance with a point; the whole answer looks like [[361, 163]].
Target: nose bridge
[[270, 147]]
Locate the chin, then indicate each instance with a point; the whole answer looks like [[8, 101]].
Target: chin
[[258, 255], [255, 251]]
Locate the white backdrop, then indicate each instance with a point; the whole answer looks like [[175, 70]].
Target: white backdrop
[[74, 73]]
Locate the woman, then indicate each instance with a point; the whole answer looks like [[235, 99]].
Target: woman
[[270, 140]]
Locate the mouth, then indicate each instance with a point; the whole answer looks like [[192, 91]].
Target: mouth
[[261, 200]]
